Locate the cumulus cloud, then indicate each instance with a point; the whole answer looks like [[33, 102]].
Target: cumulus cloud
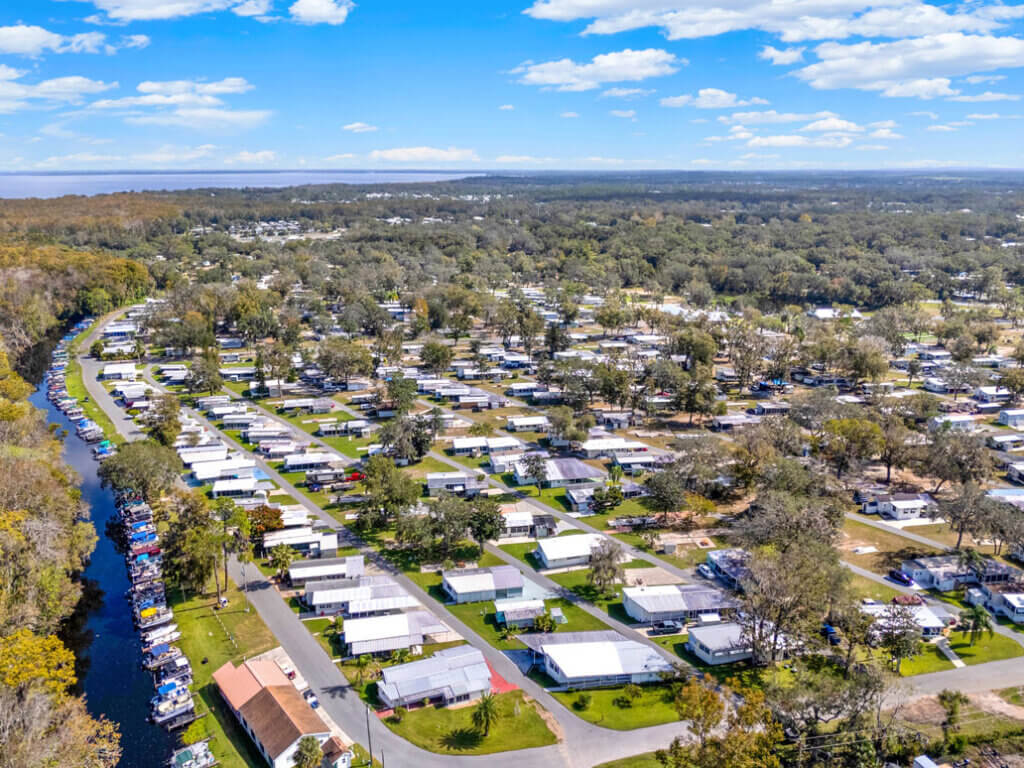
[[331, 12], [569, 115], [169, 154], [254, 8], [793, 22], [626, 93], [833, 124], [771, 116], [941, 128], [826, 142], [626, 113], [358, 127], [986, 96], [337, 158], [919, 67], [621, 66], [425, 155], [151, 10], [926, 113], [507, 107], [885, 133], [978, 79], [85, 160], [205, 118], [781, 57], [871, 147], [598, 160], [73, 89], [33, 41], [711, 98], [169, 93]]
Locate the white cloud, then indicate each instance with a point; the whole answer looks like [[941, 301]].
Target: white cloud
[[256, 8], [883, 124], [758, 156], [885, 133], [871, 147], [16, 95], [332, 12], [716, 98], [569, 115], [941, 128], [917, 67], [623, 113], [826, 142], [987, 116], [781, 57], [621, 66], [359, 128], [33, 41], [252, 158], [177, 93], [978, 79], [524, 159], [626, 93], [507, 107], [926, 113], [701, 161], [336, 158], [228, 85], [986, 96], [598, 160], [425, 155], [792, 21], [205, 118], [711, 98], [831, 124], [151, 10], [771, 116]]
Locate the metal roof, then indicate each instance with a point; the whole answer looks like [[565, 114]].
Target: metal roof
[[450, 672]]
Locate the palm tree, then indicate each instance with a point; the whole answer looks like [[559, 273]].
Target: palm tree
[[615, 474], [975, 621], [971, 560], [281, 557], [362, 662], [486, 713], [309, 754]]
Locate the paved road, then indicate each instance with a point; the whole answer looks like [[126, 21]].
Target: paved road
[[917, 538], [583, 744]]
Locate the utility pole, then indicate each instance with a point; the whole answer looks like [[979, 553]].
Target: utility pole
[[369, 737]]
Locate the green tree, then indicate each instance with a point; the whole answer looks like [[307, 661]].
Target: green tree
[[401, 392], [976, 621], [309, 754], [486, 713], [485, 521], [536, 469], [606, 565], [899, 634], [165, 420], [341, 359], [437, 357], [281, 557], [143, 466], [204, 374], [388, 492], [850, 441]]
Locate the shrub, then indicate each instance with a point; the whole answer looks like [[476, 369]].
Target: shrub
[[582, 702]]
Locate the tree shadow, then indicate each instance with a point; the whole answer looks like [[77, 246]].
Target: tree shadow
[[461, 739]]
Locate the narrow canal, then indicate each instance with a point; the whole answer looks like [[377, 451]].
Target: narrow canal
[[102, 634]]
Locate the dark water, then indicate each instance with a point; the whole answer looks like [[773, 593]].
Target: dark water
[[101, 633], [18, 185]]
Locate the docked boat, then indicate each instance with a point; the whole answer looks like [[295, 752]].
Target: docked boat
[[161, 654], [170, 637], [179, 671], [172, 708], [148, 618], [157, 635]]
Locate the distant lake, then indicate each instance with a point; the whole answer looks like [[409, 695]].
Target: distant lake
[[17, 185]]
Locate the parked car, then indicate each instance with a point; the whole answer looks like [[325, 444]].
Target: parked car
[[310, 697], [705, 571], [666, 627], [831, 634], [901, 578]]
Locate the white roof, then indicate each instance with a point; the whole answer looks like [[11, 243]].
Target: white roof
[[394, 625], [460, 443], [563, 547], [503, 442], [522, 421], [605, 658], [210, 470], [235, 484], [610, 443], [517, 517], [119, 368]]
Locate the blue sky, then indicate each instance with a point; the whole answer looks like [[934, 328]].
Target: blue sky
[[529, 84]]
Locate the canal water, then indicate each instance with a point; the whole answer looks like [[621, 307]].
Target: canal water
[[102, 634]]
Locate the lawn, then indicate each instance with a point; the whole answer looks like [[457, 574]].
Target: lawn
[[480, 617], [230, 634], [521, 551], [610, 602], [861, 587], [931, 659], [653, 707], [451, 731], [749, 675], [76, 389], [367, 690], [425, 465], [986, 648], [893, 549], [646, 760]]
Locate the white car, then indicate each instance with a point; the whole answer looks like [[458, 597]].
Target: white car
[[705, 571]]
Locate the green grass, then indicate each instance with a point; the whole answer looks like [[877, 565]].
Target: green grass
[[893, 549], [76, 388], [986, 648], [207, 634], [521, 551], [451, 731], [367, 690], [609, 601], [862, 587], [654, 707], [481, 618], [931, 659], [646, 760]]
